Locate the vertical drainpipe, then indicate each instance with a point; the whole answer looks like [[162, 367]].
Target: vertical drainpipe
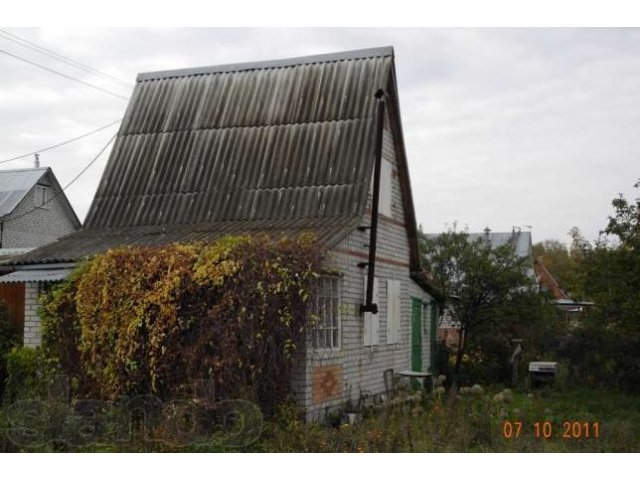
[[1, 233], [369, 306]]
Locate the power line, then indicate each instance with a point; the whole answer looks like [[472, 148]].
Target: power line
[[61, 143], [104, 90], [11, 219], [62, 58]]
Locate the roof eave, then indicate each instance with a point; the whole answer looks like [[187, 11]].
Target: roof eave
[[421, 279], [403, 173]]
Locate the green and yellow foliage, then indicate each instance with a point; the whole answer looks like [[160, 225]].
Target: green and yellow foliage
[[9, 338], [140, 320]]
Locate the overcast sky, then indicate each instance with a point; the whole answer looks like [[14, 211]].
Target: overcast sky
[[503, 127]]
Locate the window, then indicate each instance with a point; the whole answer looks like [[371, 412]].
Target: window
[[326, 334], [41, 195]]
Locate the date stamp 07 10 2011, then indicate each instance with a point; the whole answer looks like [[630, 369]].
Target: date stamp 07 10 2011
[[545, 430]]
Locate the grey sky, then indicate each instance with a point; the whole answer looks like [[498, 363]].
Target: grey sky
[[503, 127]]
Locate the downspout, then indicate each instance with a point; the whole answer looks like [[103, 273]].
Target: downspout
[[1, 234], [369, 306]]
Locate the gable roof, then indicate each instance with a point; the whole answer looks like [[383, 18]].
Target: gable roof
[[281, 146], [520, 240], [259, 141], [16, 184], [546, 278]]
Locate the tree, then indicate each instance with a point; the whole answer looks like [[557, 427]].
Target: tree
[[557, 259], [481, 283], [605, 348], [610, 269], [626, 222]]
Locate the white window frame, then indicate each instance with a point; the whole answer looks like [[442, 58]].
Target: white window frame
[[327, 331], [41, 196]]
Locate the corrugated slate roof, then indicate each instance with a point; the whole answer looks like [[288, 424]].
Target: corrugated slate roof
[[245, 143], [90, 241], [40, 275], [274, 146], [15, 184]]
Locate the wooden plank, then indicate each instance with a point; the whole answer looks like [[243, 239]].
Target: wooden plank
[[12, 295]]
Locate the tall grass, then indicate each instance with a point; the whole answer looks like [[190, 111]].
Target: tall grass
[[473, 423], [442, 422]]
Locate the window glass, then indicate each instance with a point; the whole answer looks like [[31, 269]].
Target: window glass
[[326, 333]]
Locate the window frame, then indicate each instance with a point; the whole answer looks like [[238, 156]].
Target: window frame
[[41, 196], [321, 328]]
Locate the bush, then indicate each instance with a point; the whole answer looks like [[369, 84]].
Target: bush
[[143, 320], [61, 328], [444, 364], [9, 338], [600, 357], [28, 373]]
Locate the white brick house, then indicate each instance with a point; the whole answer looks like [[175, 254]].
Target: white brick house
[[280, 147], [34, 211]]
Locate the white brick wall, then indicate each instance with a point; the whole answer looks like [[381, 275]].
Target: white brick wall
[[39, 227], [362, 366], [32, 333]]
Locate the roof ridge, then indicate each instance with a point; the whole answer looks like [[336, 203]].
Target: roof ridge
[[285, 62]]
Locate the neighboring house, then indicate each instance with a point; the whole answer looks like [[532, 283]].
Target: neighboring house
[[279, 147], [548, 283], [520, 240], [448, 329], [34, 211]]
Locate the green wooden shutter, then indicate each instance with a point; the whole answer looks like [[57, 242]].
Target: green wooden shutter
[[416, 334], [433, 335]]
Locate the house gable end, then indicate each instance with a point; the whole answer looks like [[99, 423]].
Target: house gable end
[[395, 125], [31, 224]]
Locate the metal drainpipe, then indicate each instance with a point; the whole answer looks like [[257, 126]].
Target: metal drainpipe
[[369, 306], [1, 234]]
